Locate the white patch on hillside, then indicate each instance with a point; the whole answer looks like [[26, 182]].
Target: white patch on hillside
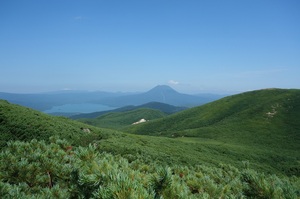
[[140, 121]]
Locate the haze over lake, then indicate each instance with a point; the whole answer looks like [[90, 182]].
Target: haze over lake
[[79, 108]]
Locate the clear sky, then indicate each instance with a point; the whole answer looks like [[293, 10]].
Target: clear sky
[[193, 45]]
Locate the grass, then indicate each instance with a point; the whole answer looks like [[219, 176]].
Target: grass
[[264, 120], [242, 119], [20, 123], [120, 120]]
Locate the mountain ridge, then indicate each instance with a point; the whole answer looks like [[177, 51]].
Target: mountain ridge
[[166, 108], [162, 94]]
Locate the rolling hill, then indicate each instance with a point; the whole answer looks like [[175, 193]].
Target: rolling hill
[[264, 119], [24, 124], [165, 108], [118, 120], [18, 123], [21, 123], [264, 113]]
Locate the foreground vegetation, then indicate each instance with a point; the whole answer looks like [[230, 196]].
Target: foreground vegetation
[[58, 170]]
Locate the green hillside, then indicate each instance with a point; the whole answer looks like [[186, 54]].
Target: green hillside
[[122, 119], [268, 120], [165, 108], [137, 166], [255, 117], [20, 123]]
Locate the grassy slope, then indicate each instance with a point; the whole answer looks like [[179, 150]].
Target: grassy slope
[[242, 121], [20, 123], [122, 119], [235, 117]]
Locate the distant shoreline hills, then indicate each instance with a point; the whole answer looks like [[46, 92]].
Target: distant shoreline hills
[[165, 108], [161, 94]]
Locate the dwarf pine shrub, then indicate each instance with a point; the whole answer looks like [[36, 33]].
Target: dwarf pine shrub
[[36, 169]]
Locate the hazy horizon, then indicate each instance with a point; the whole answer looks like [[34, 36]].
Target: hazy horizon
[[198, 92], [132, 46], [217, 92]]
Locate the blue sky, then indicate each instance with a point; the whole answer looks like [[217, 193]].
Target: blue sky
[[192, 45]]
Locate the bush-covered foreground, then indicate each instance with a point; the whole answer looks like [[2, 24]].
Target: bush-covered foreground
[[57, 170]]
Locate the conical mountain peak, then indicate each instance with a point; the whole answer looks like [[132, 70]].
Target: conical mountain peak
[[163, 89]]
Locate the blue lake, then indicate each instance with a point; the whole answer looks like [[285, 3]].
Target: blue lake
[[79, 108]]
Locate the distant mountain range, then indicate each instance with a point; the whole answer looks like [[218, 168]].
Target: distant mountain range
[[162, 94]]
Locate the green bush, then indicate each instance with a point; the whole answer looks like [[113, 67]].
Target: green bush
[[36, 169]]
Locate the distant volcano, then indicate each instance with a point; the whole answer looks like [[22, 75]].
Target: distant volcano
[[160, 93]]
